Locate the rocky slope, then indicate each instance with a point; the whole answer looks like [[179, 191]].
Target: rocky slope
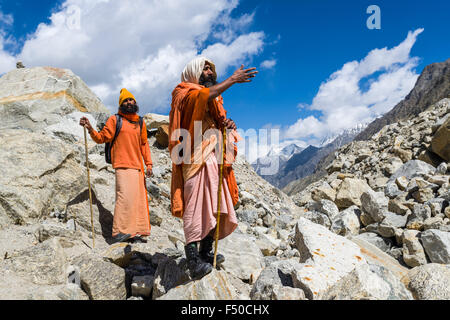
[[432, 85], [392, 190], [279, 251]]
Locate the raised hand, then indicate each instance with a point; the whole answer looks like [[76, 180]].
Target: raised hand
[[242, 75], [84, 122]]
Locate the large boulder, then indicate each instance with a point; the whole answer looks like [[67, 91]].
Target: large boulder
[[375, 256], [243, 258], [324, 256], [413, 252], [411, 169], [43, 177], [154, 121], [43, 264], [429, 282], [273, 278], [35, 98], [368, 282], [347, 222], [350, 192], [437, 245], [217, 285], [100, 279], [441, 141], [375, 204]]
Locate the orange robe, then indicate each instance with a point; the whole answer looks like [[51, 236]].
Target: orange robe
[[131, 212], [189, 104]]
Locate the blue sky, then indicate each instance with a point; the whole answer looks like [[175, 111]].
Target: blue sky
[[304, 42]]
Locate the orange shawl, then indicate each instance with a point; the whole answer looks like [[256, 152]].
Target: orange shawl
[[189, 104]]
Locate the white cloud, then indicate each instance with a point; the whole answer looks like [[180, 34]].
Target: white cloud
[[268, 64], [342, 101], [142, 45], [6, 19], [239, 51], [7, 61]]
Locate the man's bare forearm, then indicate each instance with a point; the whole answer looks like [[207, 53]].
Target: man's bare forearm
[[219, 88]]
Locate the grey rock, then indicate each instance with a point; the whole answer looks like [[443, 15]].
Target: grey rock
[[284, 222], [440, 141], [429, 282], [394, 220], [247, 198], [423, 195], [442, 168], [375, 204], [375, 256], [35, 98], [323, 192], [347, 222], [396, 253], [397, 205], [274, 276], [433, 223], [327, 207], [217, 285], [243, 258], [413, 168], [368, 282], [373, 238], [287, 293], [402, 182], [436, 205], [101, 280], [319, 218], [72, 292], [350, 192], [268, 245], [420, 213], [437, 245], [392, 165], [413, 252], [248, 216], [321, 251], [43, 264], [391, 190]]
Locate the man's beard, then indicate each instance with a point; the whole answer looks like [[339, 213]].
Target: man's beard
[[128, 109], [207, 81]]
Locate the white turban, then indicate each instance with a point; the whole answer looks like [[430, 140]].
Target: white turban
[[193, 70]]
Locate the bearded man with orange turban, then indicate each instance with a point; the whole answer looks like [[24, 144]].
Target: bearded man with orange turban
[[197, 110], [131, 212]]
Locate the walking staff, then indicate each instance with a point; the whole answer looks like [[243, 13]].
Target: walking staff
[[89, 184]]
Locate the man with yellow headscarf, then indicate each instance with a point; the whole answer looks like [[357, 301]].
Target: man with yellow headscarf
[[131, 212], [197, 105]]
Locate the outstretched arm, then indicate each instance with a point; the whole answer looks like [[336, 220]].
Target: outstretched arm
[[239, 76]]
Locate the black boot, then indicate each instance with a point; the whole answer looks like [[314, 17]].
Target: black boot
[[121, 237], [196, 266], [206, 252]]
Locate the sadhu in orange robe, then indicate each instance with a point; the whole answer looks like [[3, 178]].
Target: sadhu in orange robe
[[194, 185], [131, 212]]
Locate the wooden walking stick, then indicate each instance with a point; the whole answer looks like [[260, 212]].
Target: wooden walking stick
[[89, 183], [220, 194]]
